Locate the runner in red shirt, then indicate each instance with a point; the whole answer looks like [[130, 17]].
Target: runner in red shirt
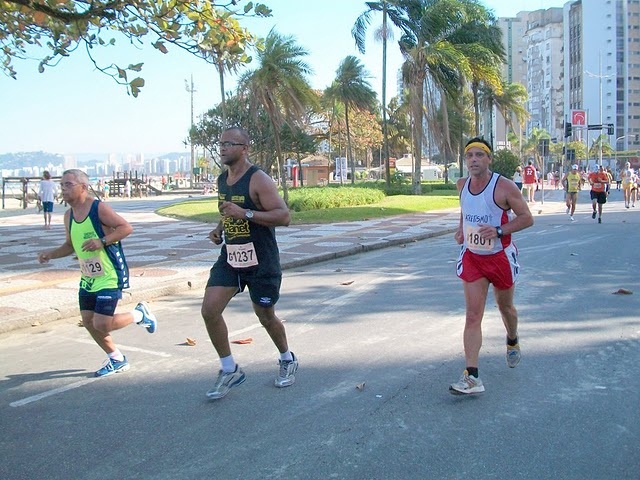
[[599, 181], [529, 180]]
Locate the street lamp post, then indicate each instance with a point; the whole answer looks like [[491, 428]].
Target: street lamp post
[[599, 77], [191, 89]]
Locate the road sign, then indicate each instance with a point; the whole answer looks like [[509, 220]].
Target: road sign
[[579, 117]]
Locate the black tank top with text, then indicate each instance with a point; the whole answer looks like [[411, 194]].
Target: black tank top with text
[[243, 231]]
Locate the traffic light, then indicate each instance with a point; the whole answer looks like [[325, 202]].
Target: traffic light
[[567, 129], [610, 129]]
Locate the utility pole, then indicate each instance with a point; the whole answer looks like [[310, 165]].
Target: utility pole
[[191, 89]]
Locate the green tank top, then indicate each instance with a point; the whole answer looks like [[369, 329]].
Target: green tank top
[[98, 272]]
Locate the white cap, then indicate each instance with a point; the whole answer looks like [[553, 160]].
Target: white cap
[[574, 167]]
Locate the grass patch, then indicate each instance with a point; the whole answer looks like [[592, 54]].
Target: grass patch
[[205, 210]]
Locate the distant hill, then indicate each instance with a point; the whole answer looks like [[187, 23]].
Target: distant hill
[[19, 160], [14, 161]]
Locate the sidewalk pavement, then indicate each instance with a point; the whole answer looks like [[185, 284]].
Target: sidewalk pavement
[[167, 256]]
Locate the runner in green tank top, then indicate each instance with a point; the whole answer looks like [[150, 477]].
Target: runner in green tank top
[[93, 233]]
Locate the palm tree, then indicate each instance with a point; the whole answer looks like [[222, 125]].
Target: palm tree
[[510, 102], [531, 146], [429, 53], [279, 85], [352, 89], [480, 39], [389, 10]]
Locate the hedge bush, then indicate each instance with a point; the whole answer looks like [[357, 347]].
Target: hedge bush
[[313, 198]]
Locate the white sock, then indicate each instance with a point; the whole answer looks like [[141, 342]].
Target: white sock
[[286, 356], [116, 355], [137, 316], [228, 364]]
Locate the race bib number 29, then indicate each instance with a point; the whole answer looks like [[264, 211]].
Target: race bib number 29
[[475, 242], [242, 256], [91, 267]]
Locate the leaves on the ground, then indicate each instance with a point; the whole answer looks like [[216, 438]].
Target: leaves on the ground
[[191, 342], [347, 283], [243, 341], [36, 323], [360, 386], [623, 291]]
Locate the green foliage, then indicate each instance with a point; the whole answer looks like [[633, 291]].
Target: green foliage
[[205, 210], [505, 163], [313, 198], [58, 27]]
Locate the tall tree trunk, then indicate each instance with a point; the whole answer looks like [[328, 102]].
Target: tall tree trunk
[[476, 107], [350, 159], [385, 126], [220, 66], [418, 102]]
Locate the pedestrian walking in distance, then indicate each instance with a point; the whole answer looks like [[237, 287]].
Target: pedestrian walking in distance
[[251, 209], [47, 195], [93, 233], [492, 210]]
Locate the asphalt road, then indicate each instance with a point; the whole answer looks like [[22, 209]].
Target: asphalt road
[[391, 319]]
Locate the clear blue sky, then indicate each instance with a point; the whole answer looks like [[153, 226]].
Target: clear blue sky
[[73, 108]]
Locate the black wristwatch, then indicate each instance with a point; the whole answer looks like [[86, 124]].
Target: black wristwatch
[[499, 232], [104, 241], [248, 214]]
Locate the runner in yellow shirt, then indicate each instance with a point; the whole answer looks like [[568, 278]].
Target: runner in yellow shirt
[[572, 181]]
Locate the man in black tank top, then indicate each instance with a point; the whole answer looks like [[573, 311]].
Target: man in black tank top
[[251, 208]]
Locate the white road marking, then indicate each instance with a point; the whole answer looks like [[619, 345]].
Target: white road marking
[[124, 347], [55, 391]]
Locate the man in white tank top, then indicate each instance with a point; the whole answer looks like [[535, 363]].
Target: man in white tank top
[[492, 209]]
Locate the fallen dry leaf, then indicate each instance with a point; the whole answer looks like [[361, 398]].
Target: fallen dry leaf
[[80, 324], [360, 386], [140, 274], [338, 270], [189, 283], [36, 324], [172, 253], [243, 341], [347, 283], [191, 342], [623, 291]]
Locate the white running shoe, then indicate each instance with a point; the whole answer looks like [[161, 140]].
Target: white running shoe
[[467, 385], [225, 382], [287, 372]]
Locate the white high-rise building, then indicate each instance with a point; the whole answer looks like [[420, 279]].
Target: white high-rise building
[[602, 39], [587, 57]]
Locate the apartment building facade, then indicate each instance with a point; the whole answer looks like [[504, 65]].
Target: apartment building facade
[[585, 57]]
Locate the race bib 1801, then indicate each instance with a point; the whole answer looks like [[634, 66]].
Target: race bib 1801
[[242, 256], [475, 242]]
